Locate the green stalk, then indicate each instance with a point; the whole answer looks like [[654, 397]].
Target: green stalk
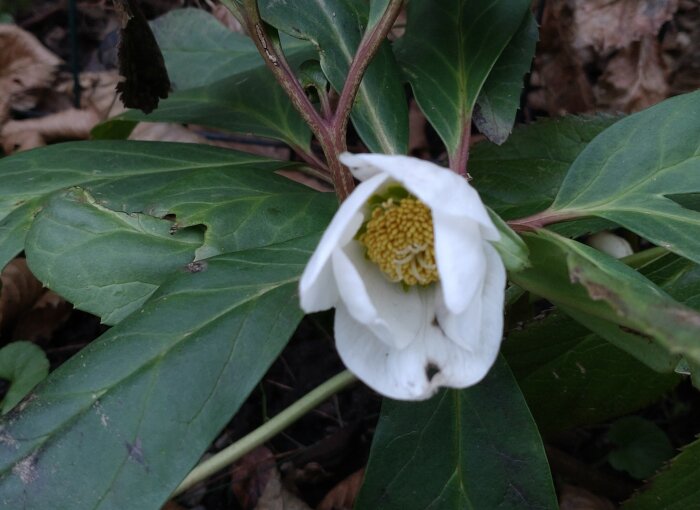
[[232, 453]]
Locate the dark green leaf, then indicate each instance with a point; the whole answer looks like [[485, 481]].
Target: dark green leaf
[[612, 300], [200, 50], [499, 100], [234, 195], [474, 448], [250, 103], [510, 246], [566, 374], [24, 365], [105, 246], [625, 174], [120, 424], [675, 488], [335, 27], [522, 176], [641, 447], [448, 51], [113, 129]]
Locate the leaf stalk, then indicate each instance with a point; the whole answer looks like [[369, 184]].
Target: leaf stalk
[[267, 431]]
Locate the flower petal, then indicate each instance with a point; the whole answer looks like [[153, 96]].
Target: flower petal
[[439, 188], [317, 286], [469, 365], [395, 373], [459, 253], [393, 314]]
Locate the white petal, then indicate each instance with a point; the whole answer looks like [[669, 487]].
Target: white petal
[[317, 286], [394, 314], [395, 373], [439, 188], [468, 366], [461, 262]]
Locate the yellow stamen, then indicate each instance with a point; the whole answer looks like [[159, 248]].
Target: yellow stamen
[[399, 239]]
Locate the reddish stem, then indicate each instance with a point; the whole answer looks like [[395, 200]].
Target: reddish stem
[[330, 132], [539, 220], [460, 158]]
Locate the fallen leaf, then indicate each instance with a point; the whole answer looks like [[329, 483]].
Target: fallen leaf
[[343, 495], [635, 78], [40, 322], [576, 498], [20, 291], [277, 497], [608, 25], [560, 83], [68, 124], [25, 67], [251, 474]]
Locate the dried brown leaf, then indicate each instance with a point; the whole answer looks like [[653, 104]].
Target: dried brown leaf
[[576, 498], [69, 124], [343, 495], [635, 78], [277, 497], [20, 291], [47, 315], [251, 474], [25, 66], [559, 67], [607, 25]]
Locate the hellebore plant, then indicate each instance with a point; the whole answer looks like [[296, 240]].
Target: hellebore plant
[[416, 285], [203, 260]]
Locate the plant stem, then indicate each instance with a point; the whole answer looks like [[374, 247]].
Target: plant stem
[[460, 158], [539, 220], [641, 258], [232, 453], [276, 61], [330, 131], [366, 50]]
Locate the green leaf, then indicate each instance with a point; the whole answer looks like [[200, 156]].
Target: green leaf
[[120, 424], [199, 50], [675, 488], [250, 103], [626, 174], [376, 9], [641, 447], [236, 196], [113, 129], [474, 448], [221, 81], [510, 246], [448, 51], [335, 28], [522, 176], [106, 247], [499, 100], [13, 229], [566, 374], [103, 261], [24, 365], [612, 300]]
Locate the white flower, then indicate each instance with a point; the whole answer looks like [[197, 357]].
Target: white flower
[[415, 310]]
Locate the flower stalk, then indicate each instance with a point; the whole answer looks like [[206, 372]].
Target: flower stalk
[[330, 128], [271, 428]]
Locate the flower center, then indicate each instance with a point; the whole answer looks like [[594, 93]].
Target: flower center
[[399, 239]]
